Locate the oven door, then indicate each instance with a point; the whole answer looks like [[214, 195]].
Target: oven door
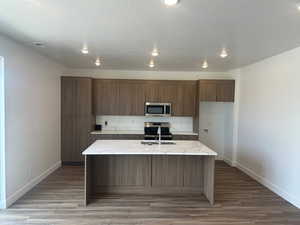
[[154, 109]]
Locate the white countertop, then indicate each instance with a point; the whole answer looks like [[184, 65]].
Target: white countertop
[[139, 132], [134, 147]]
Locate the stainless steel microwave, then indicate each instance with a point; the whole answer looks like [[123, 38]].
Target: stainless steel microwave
[[158, 109]]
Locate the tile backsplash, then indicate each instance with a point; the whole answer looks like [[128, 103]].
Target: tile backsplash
[[137, 122]]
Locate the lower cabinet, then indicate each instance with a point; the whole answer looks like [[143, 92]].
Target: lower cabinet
[[76, 117]]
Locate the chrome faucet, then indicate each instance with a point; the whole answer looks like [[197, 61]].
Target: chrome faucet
[[159, 134]]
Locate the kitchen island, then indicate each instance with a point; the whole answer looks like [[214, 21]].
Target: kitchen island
[[135, 167]]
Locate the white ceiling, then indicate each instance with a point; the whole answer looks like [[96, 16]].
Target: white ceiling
[[123, 32]]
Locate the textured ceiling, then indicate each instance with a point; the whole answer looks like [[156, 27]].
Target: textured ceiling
[[123, 32]]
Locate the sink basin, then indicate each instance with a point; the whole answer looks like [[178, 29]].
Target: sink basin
[[156, 143]]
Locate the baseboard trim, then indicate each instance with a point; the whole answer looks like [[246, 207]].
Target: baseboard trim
[[72, 163], [229, 161], [27, 187], [282, 193], [219, 158]]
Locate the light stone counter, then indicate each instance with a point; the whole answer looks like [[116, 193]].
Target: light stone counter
[[139, 132], [135, 147]]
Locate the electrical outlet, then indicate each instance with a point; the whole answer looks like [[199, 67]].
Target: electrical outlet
[[205, 130]]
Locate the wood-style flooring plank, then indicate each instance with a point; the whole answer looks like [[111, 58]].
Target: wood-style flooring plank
[[239, 200]]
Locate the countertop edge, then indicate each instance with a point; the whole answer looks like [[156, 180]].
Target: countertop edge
[[136, 133], [133, 147]]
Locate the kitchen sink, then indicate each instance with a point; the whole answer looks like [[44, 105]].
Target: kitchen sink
[[156, 143]]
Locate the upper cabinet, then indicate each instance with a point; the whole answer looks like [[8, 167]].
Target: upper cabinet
[[225, 91], [185, 99], [216, 90], [105, 97], [208, 90], [153, 91], [131, 97], [189, 98], [128, 97]]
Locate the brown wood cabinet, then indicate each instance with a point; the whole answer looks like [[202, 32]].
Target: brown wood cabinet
[[216, 90], [131, 97], [208, 91], [76, 117], [127, 97], [84, 98], [105, 97], [189, 99], [153, 91], [225, 91]]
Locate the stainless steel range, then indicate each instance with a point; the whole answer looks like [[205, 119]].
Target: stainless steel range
[[152, 130]]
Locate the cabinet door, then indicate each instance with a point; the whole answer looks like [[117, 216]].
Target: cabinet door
[[169, 94], [83, 96], [186, 99], [105, 97], [83, 129], [68, 125], [131, 98], [68, 92], [189, 99], [208, 91], [152, 91], [76, 119], [68, 137], [83, 116], [225, 91]]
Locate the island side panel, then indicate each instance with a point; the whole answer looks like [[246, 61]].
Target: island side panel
[[87, 178], [193, 173], [209, 178]]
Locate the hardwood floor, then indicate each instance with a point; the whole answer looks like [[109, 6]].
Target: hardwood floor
[[239, 200]]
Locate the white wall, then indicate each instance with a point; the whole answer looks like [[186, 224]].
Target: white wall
[[2, 137], [268, 146], [32, 123], [216, 126]]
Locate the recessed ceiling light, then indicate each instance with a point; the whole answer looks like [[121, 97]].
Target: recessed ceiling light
[[224, 53], [38, 44], [151, 64], [155, 52], [171, 2], [205, 64], [85, 50], [98, 62], [298, 7]]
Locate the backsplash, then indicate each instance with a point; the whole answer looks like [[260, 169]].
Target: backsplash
[[137, 122]]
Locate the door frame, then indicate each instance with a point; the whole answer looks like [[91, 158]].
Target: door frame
[[2, 137]]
